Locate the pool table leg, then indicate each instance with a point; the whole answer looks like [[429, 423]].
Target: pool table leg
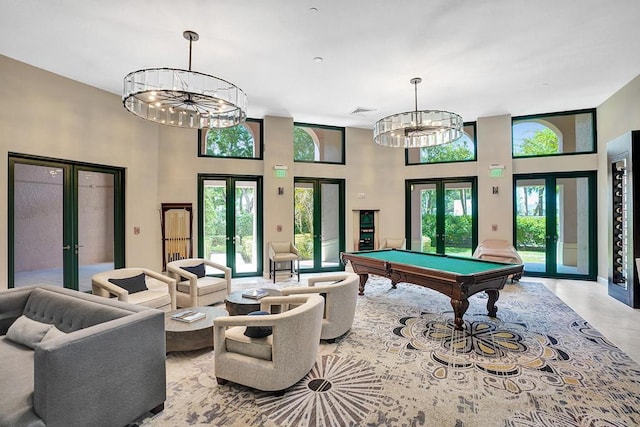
[[491, 302], [459, 308], [363, 281]]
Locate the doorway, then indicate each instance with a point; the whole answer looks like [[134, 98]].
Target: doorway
[[66, 222], [442, 215], [230, 222], [555, 224], [319, 223]]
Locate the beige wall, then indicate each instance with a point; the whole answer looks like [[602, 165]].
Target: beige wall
[[616, 116], [39, 115], [47, 115]]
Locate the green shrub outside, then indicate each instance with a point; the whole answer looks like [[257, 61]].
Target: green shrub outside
[[531, 232]]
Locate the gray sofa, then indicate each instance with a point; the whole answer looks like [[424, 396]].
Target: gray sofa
[[102, 363]]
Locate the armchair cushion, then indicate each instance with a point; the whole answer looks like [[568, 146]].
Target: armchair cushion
[[237, 342], [132, 284], [206, 285], [258, 331], [27, 332], [198, 270]]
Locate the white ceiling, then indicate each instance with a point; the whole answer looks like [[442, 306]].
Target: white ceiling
[[477, 58]]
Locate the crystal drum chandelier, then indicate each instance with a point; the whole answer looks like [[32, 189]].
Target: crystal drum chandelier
[[184, 98], [416, 129]]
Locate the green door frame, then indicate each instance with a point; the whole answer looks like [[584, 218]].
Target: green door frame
[[70, 212], [230, 248], [551, 236], [317, 220], [440, 184]]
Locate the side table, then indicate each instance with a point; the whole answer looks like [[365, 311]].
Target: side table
[[238, 305], [183, 336]]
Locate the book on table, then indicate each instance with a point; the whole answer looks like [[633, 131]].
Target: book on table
[[188, 316], [255, 293]]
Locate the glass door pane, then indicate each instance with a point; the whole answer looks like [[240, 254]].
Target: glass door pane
[[531, 229], [38, 224], [95, 243], [572, 225], [458, 217], [215, 220], [246, 227], [304, 223], [424, 209], [330, 224]]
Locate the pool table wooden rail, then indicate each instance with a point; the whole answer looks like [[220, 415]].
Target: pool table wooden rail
[[459, 287]]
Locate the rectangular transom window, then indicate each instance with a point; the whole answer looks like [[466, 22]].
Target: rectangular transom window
[[461, 150], [571, 132], [240, 142], [318, 144]]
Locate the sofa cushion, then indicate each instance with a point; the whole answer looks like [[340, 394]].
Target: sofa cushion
[[27, 332], [53, 333], [258, 331], [132, 284], [206, 285], [237, 342], [198, 270]]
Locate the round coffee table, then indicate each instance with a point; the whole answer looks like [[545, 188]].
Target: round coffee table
[[183, 336], [238, 305]]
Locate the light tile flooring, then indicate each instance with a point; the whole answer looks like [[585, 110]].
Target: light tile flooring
[[615, 320]]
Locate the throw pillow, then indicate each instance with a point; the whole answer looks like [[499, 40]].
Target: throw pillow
[[53, 333], [132, 284], [198, 270], [258, 331], [27, 331]]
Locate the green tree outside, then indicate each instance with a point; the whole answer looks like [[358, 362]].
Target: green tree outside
[[230, 142], [303, 145]]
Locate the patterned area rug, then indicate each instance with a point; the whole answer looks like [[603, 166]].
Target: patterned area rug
[[403, 364]]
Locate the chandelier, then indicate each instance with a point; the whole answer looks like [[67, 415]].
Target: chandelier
[[184, 98], [416, 129]]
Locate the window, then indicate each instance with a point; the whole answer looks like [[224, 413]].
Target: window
[[461, 150], [243, 141], [318, 144], [571, 132]]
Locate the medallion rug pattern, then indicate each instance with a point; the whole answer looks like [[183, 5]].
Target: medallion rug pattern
[[403, 364]]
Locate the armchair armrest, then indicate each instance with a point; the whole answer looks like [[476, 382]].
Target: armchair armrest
[[110, 288], [171, 284], [226, 270]]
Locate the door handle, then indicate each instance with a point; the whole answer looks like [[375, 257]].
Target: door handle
[[66, 247]]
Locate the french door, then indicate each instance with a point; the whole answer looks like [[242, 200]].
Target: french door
[[66, 222], [555, 224], [441, 215], [230, 222], [319, 223]]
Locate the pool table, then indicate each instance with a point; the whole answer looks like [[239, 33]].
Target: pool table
[[457, 277]]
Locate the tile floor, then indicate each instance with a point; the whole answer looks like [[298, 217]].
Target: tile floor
[[615, 320]]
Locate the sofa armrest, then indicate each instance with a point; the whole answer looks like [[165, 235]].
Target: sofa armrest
[[114, 370]]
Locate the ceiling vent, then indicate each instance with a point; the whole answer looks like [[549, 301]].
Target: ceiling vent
[[360, 110]]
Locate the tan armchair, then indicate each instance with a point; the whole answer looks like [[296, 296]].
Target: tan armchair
[[392, 243], [195, 288], [283, 252], [274, 362], [341, 296], [498, 250], [160, 292]]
